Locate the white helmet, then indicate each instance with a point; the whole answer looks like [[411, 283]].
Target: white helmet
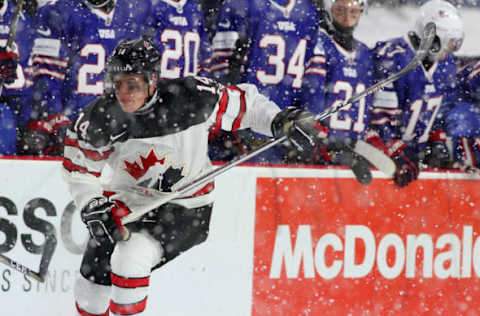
[[448, 24], [329, 3]]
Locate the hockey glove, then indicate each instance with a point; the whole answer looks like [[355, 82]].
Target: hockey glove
[[8, 65], [60, 124], [103, 220], [310, 139], [405, 158], [37, 138], [46, 137], [436, 154], [304, 133]]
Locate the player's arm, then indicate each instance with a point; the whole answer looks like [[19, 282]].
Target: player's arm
[[230, 41], [463, 121], [387, 109], [314, 89], [85, 155], [47, 125], [473, 81], [205, 51], [436, 153], [386, 117]]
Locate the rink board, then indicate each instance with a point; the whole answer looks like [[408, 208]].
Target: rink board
[[283, 241]]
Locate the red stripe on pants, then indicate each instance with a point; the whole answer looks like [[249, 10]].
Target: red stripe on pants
[[120, 281], [85, 313], [128, 309]]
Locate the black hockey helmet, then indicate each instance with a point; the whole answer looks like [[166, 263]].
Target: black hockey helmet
[[133, 56]]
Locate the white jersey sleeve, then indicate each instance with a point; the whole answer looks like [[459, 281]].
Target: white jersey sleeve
[[243, 106]]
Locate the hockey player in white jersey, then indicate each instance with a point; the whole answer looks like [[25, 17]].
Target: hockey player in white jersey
[[153, 133]]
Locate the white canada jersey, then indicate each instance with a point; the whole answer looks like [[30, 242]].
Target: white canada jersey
[[162, 146]]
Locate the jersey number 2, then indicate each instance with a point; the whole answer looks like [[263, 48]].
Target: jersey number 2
[[346, 123]]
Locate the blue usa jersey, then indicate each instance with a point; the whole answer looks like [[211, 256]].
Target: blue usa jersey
[[22, 45], [469, 83], [280, 42], [333, 76], [181, 38], [15, 98], [71, 49], [408, 108], [463, 121]]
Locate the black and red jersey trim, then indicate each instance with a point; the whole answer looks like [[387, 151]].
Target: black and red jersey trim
[[71, 167], [90, 154]]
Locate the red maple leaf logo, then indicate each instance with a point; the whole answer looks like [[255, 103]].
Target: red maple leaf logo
[[137, 171]]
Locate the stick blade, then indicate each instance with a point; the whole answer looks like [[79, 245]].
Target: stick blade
[[376, 157], [39, 276], [429, 33]]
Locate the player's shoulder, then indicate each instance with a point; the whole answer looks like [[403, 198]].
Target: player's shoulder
[[192, 88], [363, 54], [322, 42], [362, 47], [60, 4], [447, 69], [393, 48], [241, 7], [98, 120], [189, 100], [450, 63], [56, 12]]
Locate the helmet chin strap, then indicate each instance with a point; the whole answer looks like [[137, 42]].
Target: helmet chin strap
[[147, 107]]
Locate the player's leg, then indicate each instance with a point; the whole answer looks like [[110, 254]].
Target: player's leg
[[159, 237], [93, 287], [8, 135], [132, 262]]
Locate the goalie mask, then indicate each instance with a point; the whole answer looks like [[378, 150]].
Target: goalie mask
[[449, 26]]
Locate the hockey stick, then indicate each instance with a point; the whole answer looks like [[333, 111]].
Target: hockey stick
[[158, 198], [12, 33], [425, 44], [47, 254], [21, 268], [372, 154]]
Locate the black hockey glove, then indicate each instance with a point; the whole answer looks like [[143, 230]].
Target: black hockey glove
[[312, 144], [406, 160], [303, 132], [8, 65], [37, 138], [102, 218], [436, 154], [45, 137]]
